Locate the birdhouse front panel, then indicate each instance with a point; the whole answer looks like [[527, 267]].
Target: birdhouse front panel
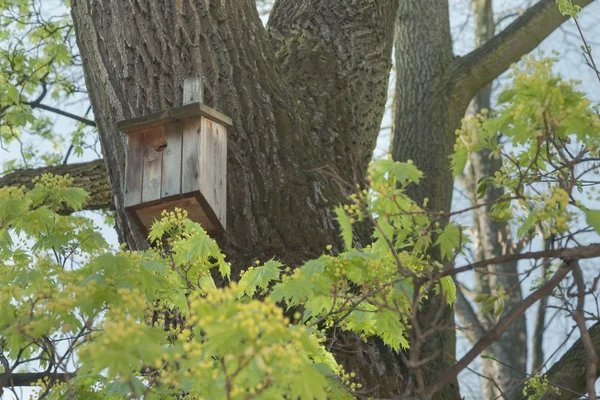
[[177, 159]]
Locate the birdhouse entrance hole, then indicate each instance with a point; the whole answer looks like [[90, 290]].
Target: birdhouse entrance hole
[[177, 158]]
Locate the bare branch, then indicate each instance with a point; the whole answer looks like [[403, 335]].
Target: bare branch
[[473, 329], [570, 253], [579, 317], [58, 111], [497, 331], [487, 62]]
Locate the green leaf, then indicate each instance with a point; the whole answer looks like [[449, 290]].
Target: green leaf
[[260, 277], [458, 161], [293, 291], [75, 198], [345, 225], [449, 241], [483, 185], [407, 173], [527, 224], [388, 327], [309, 384], [405, 288], [592, 217], [481, 298], [449, 289]]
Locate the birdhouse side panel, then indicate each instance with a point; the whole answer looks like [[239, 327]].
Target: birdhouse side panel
[[152, 165], [213, 167], [190, 159], [171, 166], [134, 172]]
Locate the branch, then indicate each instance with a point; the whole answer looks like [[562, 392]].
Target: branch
[[579, 317], [90, 176], [487, 62], [30, 378], [473, 329], [497, 331], [570, 371], [58, 111], [569, 253]]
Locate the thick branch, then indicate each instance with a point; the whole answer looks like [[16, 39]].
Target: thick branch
[[570, 371], [90, 176], [486, 63], [30, 378]]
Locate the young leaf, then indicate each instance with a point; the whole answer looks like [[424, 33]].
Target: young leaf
[[592, 217], [260, 277], [345, 225], [449, 241]]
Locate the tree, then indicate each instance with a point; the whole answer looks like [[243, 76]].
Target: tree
[[280, 143]]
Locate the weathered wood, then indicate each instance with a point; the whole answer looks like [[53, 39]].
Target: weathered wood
[[190, 156], [213, 167], [193, 90], [171, 164], [152, 166], [134, 169], [146, 214], [172, 115]]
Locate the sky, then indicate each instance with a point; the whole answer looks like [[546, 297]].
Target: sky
[[565, 40]]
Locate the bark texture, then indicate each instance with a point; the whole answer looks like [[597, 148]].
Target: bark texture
[[433, 90], [568, 375], [307, 94], [90, 176]]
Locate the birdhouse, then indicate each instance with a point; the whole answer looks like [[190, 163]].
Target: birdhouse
[[178, 158]]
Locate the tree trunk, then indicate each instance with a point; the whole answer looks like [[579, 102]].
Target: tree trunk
[[504, 372], [426, 114], [308, 94]]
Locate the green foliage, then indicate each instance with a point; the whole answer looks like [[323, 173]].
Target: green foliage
[[39, 65], [154, 323], [567, 8], [551, 133], [537, 387]]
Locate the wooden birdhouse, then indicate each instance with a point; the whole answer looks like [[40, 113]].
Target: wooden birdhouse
[[178, 158]]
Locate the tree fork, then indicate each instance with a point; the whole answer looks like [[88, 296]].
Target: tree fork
[[287, 123]]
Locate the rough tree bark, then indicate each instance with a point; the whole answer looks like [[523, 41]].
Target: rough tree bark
[[433, 90], [307, 94]]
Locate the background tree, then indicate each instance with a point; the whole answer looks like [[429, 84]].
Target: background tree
[[321, 74]]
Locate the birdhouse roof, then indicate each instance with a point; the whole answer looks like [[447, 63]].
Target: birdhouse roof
[[165, 117]]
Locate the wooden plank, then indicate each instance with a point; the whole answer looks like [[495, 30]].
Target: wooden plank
[[213, 167], [193, 90], [148, 214], [171, 161], [174, 114], [152, 165], [190, 156], [134, 172]]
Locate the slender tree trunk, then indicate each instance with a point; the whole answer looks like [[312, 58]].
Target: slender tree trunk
[[492, 240], [504, 372], [426, 114]]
